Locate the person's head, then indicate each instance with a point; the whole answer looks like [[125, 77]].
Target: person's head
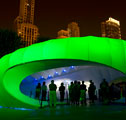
[[44, 83], [75, 82], [39, 84], [82, 82], [78, 82], [62, 84], [90, 81], [52, 81], [71, 83], [104, 79]]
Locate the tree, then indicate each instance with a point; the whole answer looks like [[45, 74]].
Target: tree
[[9, 42]]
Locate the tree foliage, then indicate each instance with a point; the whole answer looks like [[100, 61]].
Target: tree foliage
[[9, 42]]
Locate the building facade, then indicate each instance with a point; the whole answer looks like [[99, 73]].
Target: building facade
[[111, 29], [24, 23], [63, 34], [73, 29]]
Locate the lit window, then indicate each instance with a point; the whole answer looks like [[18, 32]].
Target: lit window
[[28, 4]]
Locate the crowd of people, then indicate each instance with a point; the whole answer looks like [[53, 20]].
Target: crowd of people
[[108, 93], [77, 92]]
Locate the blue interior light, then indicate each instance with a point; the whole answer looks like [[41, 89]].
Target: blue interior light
[[49, 76], [64, 70], [1, 107], [72, 67]]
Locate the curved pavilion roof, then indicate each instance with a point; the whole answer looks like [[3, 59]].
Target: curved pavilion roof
[[56, 53]]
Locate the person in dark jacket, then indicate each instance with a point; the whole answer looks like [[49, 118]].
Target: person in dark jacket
[[105, 91], [38, 91], [78, 92], [62, 92], [83, 93], [75, 92], [52, 93], [44, 91], [91, 91], [71, 96]]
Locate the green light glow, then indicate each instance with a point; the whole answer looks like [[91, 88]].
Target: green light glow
[[51, 54]]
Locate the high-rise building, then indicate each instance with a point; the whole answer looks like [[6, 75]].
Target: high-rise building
[[73, 29], [111, 29], [27, 10], [63, 34], [24, 23]]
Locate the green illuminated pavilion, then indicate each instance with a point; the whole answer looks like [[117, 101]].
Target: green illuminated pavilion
[[55, 53]]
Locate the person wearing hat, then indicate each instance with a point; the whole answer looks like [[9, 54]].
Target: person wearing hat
[[52, 93]]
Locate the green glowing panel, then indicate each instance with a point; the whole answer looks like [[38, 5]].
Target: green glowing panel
[[117, 51], [99, 51], [52, 54], [17, 57], [76, 48]]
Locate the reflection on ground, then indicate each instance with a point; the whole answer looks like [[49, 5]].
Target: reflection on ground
[[66, 112]]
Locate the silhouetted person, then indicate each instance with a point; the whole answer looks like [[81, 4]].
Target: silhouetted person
[[78, 92], [105, 91], [38, 91], [83, 93], [62, 92], [52, 93], [75, 92], [44, 91], [71, 95], [114, 92], [91, 91]]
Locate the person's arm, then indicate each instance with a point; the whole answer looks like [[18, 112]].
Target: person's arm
[[56, 87]]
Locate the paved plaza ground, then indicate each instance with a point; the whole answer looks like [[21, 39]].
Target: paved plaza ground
[[67, 112]]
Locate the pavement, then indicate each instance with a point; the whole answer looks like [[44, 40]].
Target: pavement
[[67, 112]]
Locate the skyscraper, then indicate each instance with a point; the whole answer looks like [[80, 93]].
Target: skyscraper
[[73, 29], [27, 10], [63, 34], [111, 29], [24, 23]]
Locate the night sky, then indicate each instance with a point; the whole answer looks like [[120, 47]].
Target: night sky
[[53, 15]]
